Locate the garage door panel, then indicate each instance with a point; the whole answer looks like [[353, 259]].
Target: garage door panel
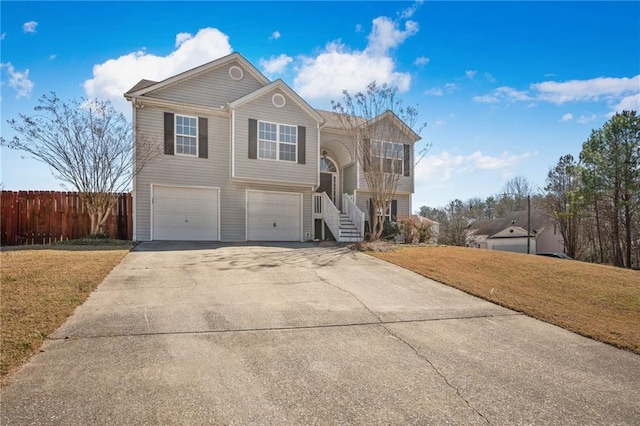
[[264, 209], [185, 213]]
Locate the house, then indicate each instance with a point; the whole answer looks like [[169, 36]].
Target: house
[[510, 233], [247, 159]]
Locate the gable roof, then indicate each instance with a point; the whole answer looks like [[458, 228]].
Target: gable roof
[[143, 88], [333, 121], [512, 232], [278, 84], [142, 84], [388, 114], [491, 227]]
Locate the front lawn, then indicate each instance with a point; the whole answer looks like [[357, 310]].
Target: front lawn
[[41, 287], [597, 301]]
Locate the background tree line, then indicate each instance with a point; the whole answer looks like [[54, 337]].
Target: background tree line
[[594, 199]]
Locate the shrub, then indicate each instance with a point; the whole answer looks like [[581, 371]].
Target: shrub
[[414, 232]]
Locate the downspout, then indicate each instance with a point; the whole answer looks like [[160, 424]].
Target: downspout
[[233, 143], [134, 211]]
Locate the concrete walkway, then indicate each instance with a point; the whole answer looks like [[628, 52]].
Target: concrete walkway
[[301, 334]]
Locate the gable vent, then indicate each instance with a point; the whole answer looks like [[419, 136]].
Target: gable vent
[[236, 73], [278, 100]]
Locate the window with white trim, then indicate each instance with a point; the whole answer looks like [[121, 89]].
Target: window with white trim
[[277, 141], [389, 156], [186, 135]]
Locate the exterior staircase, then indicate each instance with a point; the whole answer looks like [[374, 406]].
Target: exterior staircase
[[347, 226], [348, 232]]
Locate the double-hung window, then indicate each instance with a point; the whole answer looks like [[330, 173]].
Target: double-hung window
[[388, 156], [186, 135], [277, 141]]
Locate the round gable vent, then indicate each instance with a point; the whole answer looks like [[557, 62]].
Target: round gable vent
[[236, 73], [278, 100]]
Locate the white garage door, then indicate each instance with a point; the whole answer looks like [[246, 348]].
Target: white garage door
[[273, 216], [185, 214]]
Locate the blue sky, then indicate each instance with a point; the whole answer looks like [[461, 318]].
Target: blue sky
[[505, 87]]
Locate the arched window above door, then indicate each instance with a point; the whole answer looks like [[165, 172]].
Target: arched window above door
[[326, 165]]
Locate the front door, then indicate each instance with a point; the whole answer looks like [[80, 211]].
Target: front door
[[326, 184]]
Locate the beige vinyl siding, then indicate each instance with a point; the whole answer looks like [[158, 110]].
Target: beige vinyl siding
[[404, 204], [405, 183], [206, 172], [213, 88], [349, 178], [292, 114], [338, 143]]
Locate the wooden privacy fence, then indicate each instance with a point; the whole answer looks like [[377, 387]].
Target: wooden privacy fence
[[43, 217]]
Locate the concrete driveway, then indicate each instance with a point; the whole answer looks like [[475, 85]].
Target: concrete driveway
[[302, 334]]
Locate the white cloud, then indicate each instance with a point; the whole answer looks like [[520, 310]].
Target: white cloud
[[182, 37], [448, 88], [275, 64], [594, 89], [359, 28], [52, 57], [503, 94], [438, 123], [567, 117], [19, 81], [628, 103], [3, 36], [408, 12], [29, 27], [490, 78], [337, 67], [470, 74], [386, 35], [115, 76], [440, 168], [619, 93], [275, 35], [421, 61], [584, 119], [436, 91]]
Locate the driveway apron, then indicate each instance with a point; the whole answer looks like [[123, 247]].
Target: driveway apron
[[197, 333]]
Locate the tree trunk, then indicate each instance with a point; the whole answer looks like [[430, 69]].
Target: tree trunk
[[598, 230], [627, 229]]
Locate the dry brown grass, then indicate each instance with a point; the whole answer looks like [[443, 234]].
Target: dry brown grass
[[40, 289], [597, 301]]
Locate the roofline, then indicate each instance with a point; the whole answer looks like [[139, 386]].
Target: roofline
[[403, 126], [140, 102], [283, 86], [235, 56]]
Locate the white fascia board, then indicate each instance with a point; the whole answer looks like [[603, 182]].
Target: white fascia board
[[145, 100]]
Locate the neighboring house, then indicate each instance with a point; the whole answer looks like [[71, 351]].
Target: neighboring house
[[434, 226], [510, 233], [247, 159]]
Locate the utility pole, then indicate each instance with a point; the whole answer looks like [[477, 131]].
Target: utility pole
[[528, 224]]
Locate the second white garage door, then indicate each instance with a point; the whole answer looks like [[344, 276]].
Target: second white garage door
[[185, 214], [273, 216]]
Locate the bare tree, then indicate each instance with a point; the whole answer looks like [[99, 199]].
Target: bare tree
[[88, 145], [383, 132], [517, 189]]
